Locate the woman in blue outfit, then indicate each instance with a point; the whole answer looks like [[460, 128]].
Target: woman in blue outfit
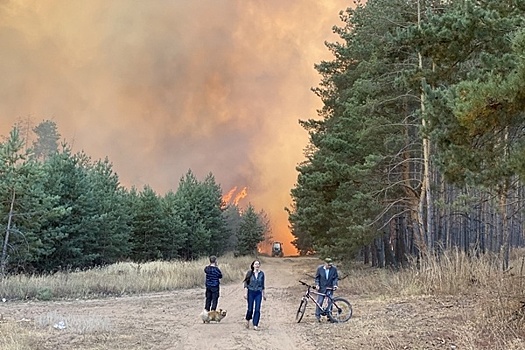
[[254, 283]]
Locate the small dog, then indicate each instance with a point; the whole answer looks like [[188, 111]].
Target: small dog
[[214, 315]]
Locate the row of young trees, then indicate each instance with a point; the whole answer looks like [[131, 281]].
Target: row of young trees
[[420, 145], [61, 210]]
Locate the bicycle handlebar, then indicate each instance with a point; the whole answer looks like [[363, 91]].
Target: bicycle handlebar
[[304, 283], [314, 287]]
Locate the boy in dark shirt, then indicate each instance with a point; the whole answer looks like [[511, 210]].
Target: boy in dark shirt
[[213, 276]]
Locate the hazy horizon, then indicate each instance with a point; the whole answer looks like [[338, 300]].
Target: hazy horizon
[[167, 86]]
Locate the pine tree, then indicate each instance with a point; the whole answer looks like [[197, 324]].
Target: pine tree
[[73, 233], [25, 206], [251, 232], [476, 90], [232, 218], [149, 228], [362, 169], [46, 142], [112, 219], [199, 205], [175, 237]]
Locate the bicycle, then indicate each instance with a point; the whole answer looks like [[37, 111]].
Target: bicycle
[[337, 309]]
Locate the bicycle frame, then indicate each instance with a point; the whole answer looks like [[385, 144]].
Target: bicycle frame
[[337, 309], [330, 299]]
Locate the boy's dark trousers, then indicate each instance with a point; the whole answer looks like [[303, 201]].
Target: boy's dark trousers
[[212, 298]]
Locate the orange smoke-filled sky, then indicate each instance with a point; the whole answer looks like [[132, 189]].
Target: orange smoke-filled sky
[[161, 87]]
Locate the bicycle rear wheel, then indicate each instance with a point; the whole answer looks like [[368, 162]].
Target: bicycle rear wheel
[[300, 310], [340, 311]]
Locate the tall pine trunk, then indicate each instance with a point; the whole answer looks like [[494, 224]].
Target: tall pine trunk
[[503, 201], [3, 259], [425, 212]]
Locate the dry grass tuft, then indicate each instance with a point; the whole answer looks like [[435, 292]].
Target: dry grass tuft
[[13, 336], [80, 324]]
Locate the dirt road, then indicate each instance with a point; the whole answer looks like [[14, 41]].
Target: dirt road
[[171, 320], [166, 321]]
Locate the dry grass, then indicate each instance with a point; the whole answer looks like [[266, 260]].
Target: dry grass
[[118, 279], [497, 297], [115, 280], [15, 337], [494, 299]]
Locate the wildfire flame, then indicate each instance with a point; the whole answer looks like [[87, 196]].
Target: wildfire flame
[[228, 196], [232, 198], [240, 195]]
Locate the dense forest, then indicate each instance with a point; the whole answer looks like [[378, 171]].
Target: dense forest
[[419, 146], [61, 210]]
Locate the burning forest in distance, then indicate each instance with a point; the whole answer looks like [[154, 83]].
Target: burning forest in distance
[[158, 92]]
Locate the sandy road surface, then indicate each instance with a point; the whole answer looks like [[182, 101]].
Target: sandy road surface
[[171, 320], [163, 321]]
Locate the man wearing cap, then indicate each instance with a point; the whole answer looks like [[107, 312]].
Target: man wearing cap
[[326, 279]]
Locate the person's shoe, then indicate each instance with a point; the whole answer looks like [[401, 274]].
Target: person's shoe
[[255, 328], [318, 320], [247, 323]]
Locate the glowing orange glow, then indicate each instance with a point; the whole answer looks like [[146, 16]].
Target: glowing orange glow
[[226, 199], [137, 84], [279, 230], [242, 194], [284, 235]]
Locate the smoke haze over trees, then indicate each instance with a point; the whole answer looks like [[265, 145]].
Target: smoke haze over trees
[[66, 210], [161, 87]]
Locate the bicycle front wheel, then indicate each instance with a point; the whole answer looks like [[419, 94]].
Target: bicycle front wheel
[[301, 310], [340, 310]]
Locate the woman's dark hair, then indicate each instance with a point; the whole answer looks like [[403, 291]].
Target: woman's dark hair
[[250, 274]]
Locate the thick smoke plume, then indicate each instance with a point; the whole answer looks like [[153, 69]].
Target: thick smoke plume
[[160, 87]]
